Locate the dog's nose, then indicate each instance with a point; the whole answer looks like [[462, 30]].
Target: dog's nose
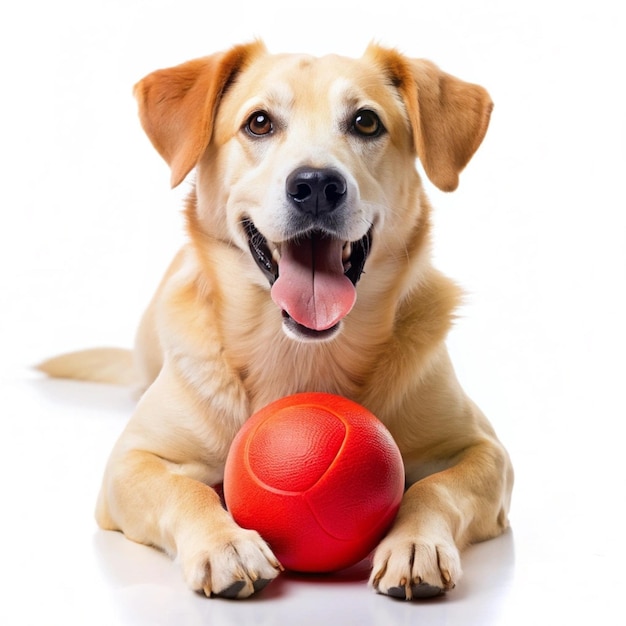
[[316, 191]]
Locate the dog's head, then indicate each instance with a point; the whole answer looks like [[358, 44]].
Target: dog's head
[[308, 164]]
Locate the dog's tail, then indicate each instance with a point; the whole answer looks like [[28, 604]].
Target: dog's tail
[[102, 365]]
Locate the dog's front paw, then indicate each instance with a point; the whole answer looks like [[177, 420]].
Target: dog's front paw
[[237, 567], [413, 569]]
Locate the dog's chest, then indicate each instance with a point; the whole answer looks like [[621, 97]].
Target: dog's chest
[[285, 367]]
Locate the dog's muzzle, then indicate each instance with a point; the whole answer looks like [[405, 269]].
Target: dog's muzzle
[[313, 273]]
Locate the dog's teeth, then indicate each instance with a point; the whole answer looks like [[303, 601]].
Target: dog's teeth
[[347, 251], [276, 254]]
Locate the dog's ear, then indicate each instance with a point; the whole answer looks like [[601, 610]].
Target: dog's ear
[[177, 105], [448, 116]]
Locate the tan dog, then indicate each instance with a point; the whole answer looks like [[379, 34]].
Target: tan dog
[[305, 186]]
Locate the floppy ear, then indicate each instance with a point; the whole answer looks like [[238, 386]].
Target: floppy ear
[[448, 116], [177, 105]]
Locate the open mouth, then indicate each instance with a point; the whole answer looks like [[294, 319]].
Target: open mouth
[[313, 277]]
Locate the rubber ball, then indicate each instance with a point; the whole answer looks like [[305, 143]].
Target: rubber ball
[[319, 477]]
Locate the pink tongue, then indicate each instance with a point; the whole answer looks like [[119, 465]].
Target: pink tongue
[[311, 285]]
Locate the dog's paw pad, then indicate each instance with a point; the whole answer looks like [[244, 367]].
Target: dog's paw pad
[[232, 591], [415, 592], [260, 584]]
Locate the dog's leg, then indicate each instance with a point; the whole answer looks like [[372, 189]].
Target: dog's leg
[[156, 491], [153, 505], [439, 516]]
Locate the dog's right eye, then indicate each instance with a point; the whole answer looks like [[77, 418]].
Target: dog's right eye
[[259, 124]]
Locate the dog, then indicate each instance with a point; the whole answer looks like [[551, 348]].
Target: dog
[[307, 268]]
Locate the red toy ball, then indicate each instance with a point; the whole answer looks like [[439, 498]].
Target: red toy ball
[[318, 476]]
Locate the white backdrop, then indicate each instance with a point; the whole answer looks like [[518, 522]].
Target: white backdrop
[[536, 232]]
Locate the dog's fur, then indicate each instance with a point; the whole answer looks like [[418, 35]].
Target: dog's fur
[[213, 346]]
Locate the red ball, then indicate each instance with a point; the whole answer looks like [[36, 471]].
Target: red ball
[[318, 476]]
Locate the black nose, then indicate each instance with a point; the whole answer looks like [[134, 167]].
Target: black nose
[[316, 191]]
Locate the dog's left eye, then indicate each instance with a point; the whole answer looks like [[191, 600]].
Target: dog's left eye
[[259, 123], [367, 124]]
